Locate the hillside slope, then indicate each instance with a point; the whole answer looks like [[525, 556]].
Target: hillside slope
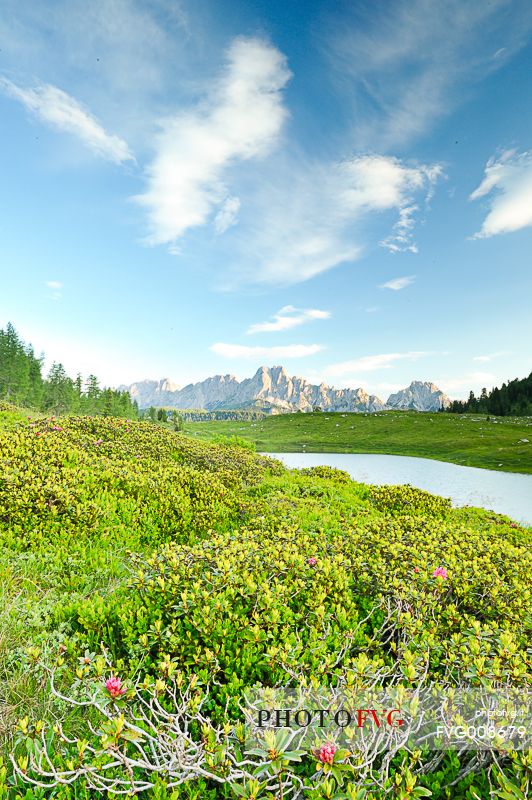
[[208, 568]]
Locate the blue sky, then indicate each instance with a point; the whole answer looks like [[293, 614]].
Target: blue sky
[[191, 188]]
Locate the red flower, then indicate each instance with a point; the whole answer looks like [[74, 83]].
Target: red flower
[[114, 687], [326, 752], [440, 572]]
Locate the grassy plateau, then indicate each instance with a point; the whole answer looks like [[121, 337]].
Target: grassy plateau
[[469, 439], [147, 579]]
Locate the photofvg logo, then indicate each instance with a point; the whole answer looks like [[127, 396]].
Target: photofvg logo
[[323, 717], [377, 720]]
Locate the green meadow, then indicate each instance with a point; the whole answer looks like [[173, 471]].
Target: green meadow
[[473, 440], [148, 579]]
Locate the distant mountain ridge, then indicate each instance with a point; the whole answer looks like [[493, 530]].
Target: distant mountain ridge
[[273, 390]]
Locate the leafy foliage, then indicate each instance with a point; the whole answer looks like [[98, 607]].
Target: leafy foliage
[[135, 560]]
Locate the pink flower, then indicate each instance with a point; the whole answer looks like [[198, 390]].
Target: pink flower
[[114, 687], [440, 572], [326, 752], [98, 441], [57, 428], [416, 569], [312, 561]]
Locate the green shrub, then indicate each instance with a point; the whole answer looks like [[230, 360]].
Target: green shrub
[[234, 441], [208, 562], [408, 500]]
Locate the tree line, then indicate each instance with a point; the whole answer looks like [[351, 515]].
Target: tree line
[[512, 399], [178, 417], [22, 383], [200, 415]]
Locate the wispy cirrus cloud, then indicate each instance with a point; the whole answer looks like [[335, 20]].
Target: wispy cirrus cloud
[[373, 363], [283, 351], [508, 179], [59, 110], [401, 238], [401, 75], [490, 356], [396, 284], [287, 318], [330, 205], [240, 119], [56, 289], [122, 54], [227, 215]]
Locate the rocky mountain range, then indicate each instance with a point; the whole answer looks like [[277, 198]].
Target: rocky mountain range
[[271, 389]]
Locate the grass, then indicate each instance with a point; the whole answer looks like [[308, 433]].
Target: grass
[[168, 550], [469, 439]]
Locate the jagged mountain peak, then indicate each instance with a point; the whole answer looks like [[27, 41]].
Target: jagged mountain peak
[[419, 396], [423, 384]]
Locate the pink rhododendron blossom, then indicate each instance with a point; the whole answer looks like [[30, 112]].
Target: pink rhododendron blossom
[[326, 752], [312, 561], [114, 687], [440, 572]]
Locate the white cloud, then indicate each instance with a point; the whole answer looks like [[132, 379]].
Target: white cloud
[[124, 55], [398, 283], [372, 363], [490, 356], [227, 215], [239, 120], [55, 287], [328, 204], [285, 351], [56, 108], [408, 63], [509, 178], [400, 239], [288, 317]]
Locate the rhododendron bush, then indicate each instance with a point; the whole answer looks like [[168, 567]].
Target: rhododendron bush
[[216, 570]]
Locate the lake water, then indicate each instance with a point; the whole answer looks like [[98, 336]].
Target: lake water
[[504, 492]]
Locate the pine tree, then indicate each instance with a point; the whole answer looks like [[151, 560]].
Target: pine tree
[[59, 390]]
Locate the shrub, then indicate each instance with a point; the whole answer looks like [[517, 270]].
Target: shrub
[[212, 566]]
